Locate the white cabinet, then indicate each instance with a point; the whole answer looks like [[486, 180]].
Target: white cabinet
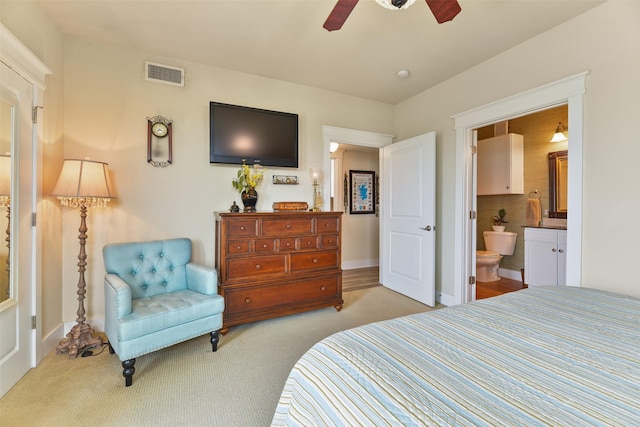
[[500, 164], [545, 257]]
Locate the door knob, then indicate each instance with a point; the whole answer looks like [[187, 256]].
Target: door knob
[[427, 228]]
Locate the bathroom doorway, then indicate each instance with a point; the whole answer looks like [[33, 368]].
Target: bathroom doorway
[[571, 91], [537, 130]]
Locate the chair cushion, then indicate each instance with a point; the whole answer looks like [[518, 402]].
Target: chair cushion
[[162, 311]]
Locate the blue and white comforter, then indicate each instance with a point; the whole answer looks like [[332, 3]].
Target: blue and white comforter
[[541, 356]]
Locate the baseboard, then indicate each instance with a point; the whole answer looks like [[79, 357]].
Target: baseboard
[[445, 299], [350, 265], [510, 274], [51, 341]]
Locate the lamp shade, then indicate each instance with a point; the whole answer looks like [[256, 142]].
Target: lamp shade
[[84, 179], [5, 175]]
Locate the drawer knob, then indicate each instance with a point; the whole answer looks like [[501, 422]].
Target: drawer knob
[[330, 241], [323, 288], [288, 226], [315, 260], [326, 225], [258, 266], [264, 246], [247, 300], [242, 227], [308, 243], [238, 247], [288, 244], [553, 250]]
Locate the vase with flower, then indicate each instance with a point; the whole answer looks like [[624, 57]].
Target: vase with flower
[[246, 182]]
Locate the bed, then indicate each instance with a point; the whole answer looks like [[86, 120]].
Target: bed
[[558, 356]]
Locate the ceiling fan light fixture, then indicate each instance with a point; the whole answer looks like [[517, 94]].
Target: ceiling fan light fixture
[[395, 4]]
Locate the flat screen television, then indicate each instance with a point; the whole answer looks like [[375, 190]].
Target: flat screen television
[[237, 133]]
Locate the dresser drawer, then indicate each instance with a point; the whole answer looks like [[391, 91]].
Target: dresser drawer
[[312, 260], [265, 245], [329, 241], [327, 225], [240, 247], [308, 242], [242, 228], [284, 227], [238, 301], [286, 245], [238, 268]]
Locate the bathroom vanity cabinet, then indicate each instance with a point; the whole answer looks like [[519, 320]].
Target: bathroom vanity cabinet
[[545, 256], [501, 165]]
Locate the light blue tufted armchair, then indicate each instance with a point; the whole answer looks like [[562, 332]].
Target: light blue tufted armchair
[[155, 297]]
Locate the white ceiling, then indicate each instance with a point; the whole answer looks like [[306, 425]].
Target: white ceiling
[[284, 39]]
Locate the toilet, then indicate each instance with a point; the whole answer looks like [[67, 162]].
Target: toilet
[[497, 244]]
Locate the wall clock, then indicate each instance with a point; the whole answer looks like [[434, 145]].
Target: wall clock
[[159, 141], [159, 129]]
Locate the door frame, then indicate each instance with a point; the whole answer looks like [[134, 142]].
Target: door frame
[[347, 136], [25, 63], [570, 91]]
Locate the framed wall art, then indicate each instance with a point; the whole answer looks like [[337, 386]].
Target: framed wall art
[[362, 188]]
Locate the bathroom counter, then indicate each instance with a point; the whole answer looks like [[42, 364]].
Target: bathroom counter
[[550, 227]]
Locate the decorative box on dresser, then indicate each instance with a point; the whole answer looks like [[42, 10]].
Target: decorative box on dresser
[[277, 263]]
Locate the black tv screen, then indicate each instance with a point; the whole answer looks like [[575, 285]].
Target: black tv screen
[[268, 138]]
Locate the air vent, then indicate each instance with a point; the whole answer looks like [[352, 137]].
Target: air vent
[[164, 74]]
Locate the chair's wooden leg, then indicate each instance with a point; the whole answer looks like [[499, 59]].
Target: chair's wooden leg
[[111, 350], [128, 371], [215, 337]]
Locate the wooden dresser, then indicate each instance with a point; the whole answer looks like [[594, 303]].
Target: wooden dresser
[[277, 263]]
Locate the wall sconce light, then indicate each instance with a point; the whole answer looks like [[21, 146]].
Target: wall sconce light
[[559, 136]]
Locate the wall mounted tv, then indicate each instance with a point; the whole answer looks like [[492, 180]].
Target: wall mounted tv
[[265, 137]]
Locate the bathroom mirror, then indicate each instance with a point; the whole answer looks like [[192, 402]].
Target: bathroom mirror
[[6, 142], [558, 168]]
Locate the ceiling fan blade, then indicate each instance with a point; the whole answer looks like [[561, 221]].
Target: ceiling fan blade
[[339, 14], [444, 10]]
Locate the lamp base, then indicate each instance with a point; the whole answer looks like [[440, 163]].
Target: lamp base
[[79, 337]]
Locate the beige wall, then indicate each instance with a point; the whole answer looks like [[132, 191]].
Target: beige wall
[[107, 101], [101, 111], [603, 41]]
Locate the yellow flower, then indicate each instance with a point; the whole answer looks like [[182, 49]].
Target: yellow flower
[[246, 178]]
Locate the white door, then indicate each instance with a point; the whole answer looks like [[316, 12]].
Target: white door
[[16, 335], [407, 226]]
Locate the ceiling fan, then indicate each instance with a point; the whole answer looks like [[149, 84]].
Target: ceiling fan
[[443, 10]]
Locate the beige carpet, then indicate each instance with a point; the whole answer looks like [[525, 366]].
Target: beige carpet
[[187, 384]]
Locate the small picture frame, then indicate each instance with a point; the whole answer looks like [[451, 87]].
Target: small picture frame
[[362, 190]]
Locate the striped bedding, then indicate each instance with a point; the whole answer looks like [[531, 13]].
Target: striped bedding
[[558, 356]]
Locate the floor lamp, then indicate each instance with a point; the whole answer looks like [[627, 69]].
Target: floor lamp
[[5, 202], [83, 184]]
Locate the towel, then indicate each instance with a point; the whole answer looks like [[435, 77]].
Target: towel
[[533, 212]]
